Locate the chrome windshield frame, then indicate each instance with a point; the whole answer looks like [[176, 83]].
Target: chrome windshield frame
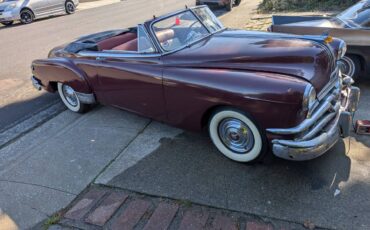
[[155, 39]]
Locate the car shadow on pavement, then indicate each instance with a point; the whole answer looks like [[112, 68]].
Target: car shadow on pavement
[[18, 23], [190, 168], [15, 113]]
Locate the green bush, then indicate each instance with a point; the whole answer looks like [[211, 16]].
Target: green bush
[[304, 5]]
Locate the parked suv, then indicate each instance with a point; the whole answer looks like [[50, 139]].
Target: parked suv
[[227, 3], [27, 11]]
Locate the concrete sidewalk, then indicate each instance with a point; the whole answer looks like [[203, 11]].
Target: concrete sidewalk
[[45, 170]]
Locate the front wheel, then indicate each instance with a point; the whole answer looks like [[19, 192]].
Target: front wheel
[[70, 99], [27, 16], [70, 7], [236, 135], [9, 23]]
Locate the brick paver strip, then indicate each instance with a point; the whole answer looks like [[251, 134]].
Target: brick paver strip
[[162, 217], [106, 209], [224, 223], [131, 215], [194, 220], [251, 225], [79, 210]]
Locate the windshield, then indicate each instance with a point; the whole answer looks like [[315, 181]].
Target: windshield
[[185, 28], [358, 15]]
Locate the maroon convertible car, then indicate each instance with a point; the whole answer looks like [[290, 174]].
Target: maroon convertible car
[[255, 92]]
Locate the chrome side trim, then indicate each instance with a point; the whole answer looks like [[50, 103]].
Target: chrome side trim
[[86, 98], [115, 54]]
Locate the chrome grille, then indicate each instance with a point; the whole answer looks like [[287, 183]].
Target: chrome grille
[[325, 113]]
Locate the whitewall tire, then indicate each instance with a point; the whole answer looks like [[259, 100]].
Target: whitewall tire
[[236, 136], [70, 99]]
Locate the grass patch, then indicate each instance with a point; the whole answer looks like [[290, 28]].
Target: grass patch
[[184, 203], [51, 221], [267, 6]]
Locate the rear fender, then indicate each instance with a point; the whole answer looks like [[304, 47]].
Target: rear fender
[[53, 70]]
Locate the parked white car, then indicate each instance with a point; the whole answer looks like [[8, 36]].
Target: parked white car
[[27, 11]]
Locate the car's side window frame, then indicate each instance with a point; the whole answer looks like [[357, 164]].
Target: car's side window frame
[[105, 54]]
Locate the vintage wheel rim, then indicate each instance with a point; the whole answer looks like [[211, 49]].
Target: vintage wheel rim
[[70, 7], [26, 17], [236, 135], [70, 95], [347, 66]]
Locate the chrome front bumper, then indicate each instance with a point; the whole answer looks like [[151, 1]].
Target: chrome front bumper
[[36, 83], [316, 135]]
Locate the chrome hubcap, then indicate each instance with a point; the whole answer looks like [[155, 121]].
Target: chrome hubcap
[[70, 95], [236, 135]]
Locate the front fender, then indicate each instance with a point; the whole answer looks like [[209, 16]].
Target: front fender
[[53, 70]]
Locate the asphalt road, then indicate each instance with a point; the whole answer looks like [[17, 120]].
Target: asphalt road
[[21, 44]]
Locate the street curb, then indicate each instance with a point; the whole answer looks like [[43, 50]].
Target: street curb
[[11, 134]]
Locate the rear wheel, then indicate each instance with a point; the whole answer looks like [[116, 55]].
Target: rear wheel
[[27, 16], [236, 135], [70, 7], [70, 99], [237, 2], [9, 23]]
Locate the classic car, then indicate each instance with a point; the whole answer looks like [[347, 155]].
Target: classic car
[[27, 11], [253, 91], [229, 4], [352, 25]]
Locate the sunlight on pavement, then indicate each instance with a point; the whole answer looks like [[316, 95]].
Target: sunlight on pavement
[[6, 222]]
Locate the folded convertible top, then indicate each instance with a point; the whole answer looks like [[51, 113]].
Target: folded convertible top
[[89, 42]]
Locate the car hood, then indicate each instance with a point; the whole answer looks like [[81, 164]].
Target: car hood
[[305, 57], [325, 23], [3, 5]]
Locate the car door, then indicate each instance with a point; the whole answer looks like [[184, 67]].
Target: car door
[[56, 5], [39, 7], [130, 80]]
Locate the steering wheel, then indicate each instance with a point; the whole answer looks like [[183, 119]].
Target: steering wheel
[[191, 34]]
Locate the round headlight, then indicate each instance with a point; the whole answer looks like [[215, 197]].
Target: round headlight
[[309, 98], [342, 50]]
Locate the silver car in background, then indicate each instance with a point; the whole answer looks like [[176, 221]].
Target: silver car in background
[[27, 11], [226, 3]]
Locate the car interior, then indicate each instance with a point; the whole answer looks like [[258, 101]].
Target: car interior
[[130, 41]]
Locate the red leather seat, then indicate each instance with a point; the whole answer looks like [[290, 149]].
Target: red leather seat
[[132, 45], [165, 35], [128, 46], [110, 43]]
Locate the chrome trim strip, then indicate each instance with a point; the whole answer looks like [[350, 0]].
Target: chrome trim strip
[[86, 98], [321, 124], [116, 54]]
